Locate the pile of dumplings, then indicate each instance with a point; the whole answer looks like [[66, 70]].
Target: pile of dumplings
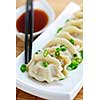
[[60, 55]]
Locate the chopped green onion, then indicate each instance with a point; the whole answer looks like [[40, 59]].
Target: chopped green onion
[[57, 53], [79, 60], [63, 48], [58, 49], [45, 53], [71, 41], [23, 68], [59, 29], [67, 20], [62, 78], [81, 52], [36, 52], [69, 68], [39, 50], [73, 65], [62, 45], [51, 55], [75, 55], [45, 64]]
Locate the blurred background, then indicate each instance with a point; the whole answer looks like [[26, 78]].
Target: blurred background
[[57, 5]]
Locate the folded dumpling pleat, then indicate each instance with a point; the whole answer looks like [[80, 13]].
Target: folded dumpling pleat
[[64, 51], [67, 36], [74, 31], [65, 42], [78, 14], [75, 22], [64, 57], [50, 73]]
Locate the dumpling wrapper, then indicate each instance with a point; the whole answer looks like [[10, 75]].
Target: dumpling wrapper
[[55, 70], [64, 58], [74, 31], [62, 41], [67, 36], [78, 14], [48, 74], [75, 22]]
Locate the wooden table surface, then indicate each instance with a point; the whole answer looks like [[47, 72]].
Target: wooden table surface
[[58, 6]]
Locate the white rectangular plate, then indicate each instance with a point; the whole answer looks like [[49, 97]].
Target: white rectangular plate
[[65, 89]]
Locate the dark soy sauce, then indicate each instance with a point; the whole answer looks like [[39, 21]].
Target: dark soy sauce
[[40, 21]]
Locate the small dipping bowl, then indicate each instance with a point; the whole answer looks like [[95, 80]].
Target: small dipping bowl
[[41, 5]]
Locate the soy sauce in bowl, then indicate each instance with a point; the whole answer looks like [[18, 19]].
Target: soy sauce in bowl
[[40, 21]]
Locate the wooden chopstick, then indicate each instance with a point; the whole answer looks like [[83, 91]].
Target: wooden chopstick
[[28, 30], [31, 28], [26, 33]]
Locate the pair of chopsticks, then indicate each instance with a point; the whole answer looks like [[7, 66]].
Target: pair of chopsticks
[[28, 30]]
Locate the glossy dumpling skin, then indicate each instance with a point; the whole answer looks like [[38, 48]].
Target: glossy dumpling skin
[[74, 26], [77, 42], [74, 31], [57, 66], [61, 41], [78, 14], [41, 73], [64, 58], [75, 22]]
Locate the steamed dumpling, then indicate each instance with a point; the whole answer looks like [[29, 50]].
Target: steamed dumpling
[[62, 41], [78, 14], [52, 50], [74, 26], [64, 57], [42, 73], [61, 52], [74, 31], [77, 43], [75, 22]]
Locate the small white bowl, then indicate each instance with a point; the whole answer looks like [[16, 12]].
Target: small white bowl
[[43, 5]]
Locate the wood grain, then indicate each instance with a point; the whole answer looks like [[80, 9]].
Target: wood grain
[[58, 6]]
